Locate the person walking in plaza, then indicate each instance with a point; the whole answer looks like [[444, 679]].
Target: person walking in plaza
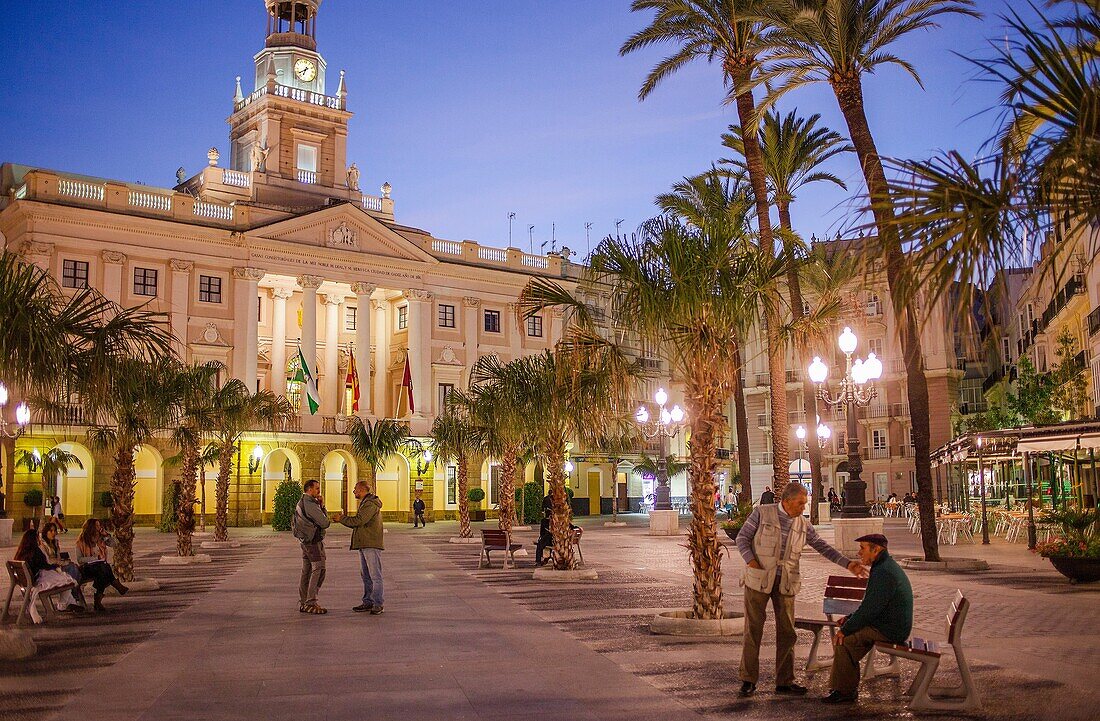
[[366, 537], [308, 524], [771, 543], [57, 515], [730, 502], [885, 614], [767, 496], [418, 511]]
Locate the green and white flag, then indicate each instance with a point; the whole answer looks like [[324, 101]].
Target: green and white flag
[[306, 377]]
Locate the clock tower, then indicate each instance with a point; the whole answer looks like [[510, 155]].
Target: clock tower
[[288, 133]]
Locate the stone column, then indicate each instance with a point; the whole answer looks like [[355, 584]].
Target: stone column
[[277, 377], [515, 331], [362, 343], [246, 331], [471, 326], [381, 405], [181, 292], [113, 261], [309, 285], [331, 395], [420, 349]]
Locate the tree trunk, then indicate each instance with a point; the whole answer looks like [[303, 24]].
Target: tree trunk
[[561, 513], [463, 502], [221, 492], [740, 72], [507, 501], [704, 406], [744, 461], [122, 512], [185, 510], [849, 94], [809, 399]]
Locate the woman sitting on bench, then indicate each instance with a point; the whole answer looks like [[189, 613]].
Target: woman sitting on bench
[[92, 544], [50, 547], [44, 575]]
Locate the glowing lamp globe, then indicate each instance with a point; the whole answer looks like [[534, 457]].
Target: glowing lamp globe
[[873, 366], [818, 370], [258, 452], [859, 372], [823, 431], [847, 341], [661, 397], [22, 414], [428, 455], [3, 395], [677, 414], [666, 417], [642, 416], [568, 467], [800, 432]]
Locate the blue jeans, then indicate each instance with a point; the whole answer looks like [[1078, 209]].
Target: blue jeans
[[370, 562]]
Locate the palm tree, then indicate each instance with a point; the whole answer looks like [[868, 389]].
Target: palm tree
[[718, 202], [138, 405], [455, 438], [375, 442], [794, 149], [46, 336], [837, 42], [729, 31], [56, 462], [498, 406], [195, 389], [687, 290], [647, 466], [235, 411]]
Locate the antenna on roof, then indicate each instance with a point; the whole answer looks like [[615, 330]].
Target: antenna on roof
[[588, 236], [619, 222], [511, 217], [531, 237], [553, 237]]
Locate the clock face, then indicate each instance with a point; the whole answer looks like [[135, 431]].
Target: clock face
[[305, 69]]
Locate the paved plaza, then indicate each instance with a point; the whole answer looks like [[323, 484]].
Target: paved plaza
[[225, 640]]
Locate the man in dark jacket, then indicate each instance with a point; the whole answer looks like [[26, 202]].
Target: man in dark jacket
[[366, 537], [768, 496], [312, 515], [418, 511], [886, 614]]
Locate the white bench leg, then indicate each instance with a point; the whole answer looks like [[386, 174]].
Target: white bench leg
[[870, 670], [813, 662], [964, 697]]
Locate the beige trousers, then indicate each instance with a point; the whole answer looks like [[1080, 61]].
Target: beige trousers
[[756, 611]]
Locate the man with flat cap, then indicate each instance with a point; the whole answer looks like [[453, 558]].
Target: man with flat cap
[[886, 614]]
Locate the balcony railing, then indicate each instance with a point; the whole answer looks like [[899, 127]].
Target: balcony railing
[[764, 420], [875, 410], [879, 453], [236, 178], [900, 409], [291, 425], [763, 379], [796, 416], [372, 203], [764, 459], [308, 177], [68, 414], [80, 189], [1094, 321], [150, 201], [794, 377]]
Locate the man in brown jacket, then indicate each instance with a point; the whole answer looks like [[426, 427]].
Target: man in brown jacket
[[366, 537]]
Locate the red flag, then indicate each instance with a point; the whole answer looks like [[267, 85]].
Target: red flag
[[407, 382], [353, 381]]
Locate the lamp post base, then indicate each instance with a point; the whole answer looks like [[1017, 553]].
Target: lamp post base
[[847, 530], [664, 523]]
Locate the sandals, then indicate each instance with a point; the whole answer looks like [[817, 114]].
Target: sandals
[[312, 608]]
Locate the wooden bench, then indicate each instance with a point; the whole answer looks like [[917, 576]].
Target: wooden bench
[[576, 545], [497, 540], [923, 695], [20, 577], [843, 594]]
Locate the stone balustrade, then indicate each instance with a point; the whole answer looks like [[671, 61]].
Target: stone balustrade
[[488, 256]]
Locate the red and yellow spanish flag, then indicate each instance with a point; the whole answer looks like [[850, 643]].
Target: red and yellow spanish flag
[[352, 381], [407, 382]]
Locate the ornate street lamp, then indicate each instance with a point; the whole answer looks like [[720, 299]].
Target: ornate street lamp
[[856, 389], [663, 427], [423, 462], [10, 431], [254, 459]]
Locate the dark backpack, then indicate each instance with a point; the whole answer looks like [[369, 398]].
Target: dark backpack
[[304, 529]]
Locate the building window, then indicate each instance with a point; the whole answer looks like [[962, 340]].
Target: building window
[[445, 391], [402, 317], [74, 274], [874, 304], [452, 485], [492, 321], [210, 289], [878, 439], [307, 158], [1006, 351], [350, 317], [875, 346], [446, 316], [145, 281], [534, 326], [841, 443]]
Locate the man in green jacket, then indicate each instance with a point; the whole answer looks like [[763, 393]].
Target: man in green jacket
[[366, 537], [885, 614]]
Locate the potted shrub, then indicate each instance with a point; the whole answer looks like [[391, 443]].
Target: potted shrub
[[287, 495], [737, 517], [32, 499], [475, 496], [1076, 552]]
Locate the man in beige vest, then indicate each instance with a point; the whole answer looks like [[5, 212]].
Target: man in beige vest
[[771, 543]]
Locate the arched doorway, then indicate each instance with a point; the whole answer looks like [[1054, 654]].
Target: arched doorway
[[148, 483], [392, 484], [278, 465], [339, 473], [75, 487]]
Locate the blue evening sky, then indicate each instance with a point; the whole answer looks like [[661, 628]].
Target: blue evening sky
[[471, 110]]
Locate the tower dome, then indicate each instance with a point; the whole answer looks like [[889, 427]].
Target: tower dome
[[292, 23]]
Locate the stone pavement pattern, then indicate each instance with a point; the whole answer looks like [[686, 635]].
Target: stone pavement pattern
[[225, 640]]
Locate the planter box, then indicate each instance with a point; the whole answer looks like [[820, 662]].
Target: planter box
[[1077, 570], [732, 534], [478, 515]]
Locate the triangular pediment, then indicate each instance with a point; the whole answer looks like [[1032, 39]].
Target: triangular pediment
[[344, 227]]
